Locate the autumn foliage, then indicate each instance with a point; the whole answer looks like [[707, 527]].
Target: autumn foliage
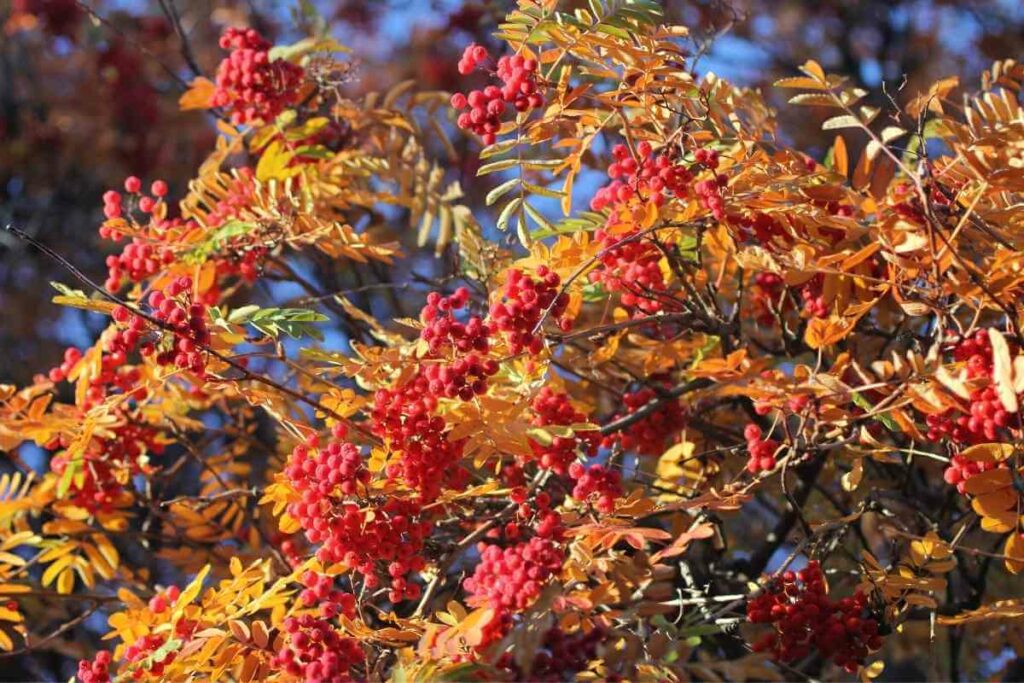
[[685, 403]]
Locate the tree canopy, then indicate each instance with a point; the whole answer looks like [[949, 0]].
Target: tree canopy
[[580, 370]]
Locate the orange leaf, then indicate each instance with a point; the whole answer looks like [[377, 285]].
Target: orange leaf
[[678, 546], [198, 96], [987, 482], [840, 158], [822, 332], [995, 503]]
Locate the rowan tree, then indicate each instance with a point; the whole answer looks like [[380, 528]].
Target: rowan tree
[[681, 402]]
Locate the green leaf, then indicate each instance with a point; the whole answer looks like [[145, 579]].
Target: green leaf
[[861, 401], [496, 166], [218, 239], [66, 477], [305, 47], [241, 315], [543, 191], [608, 29], [500, 191], [541, 164], [67, 291], [594, 292], [497, 148], [538, 217], [273, 322], [506, 213], [161, 653]]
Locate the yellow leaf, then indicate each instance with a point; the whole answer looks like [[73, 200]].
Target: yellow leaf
[[10, 615], [94, 305], [66, 581], [989, 452], [55, 569], [1014, 551], [813, 69], [107, 550], [190, 593], [275, 163]]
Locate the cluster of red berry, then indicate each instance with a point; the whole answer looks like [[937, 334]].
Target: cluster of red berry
[[138, 261], [545, 522], [553, 408], [805, 619], [647, 436], [512, 578], [976, 353], [250, 85], [985, 418], [455, 367], [96, 670], [162, 601], [319, 590], [177, 309], [113, 374], [405, 416], [525, 301], [631, 265], [443, 332], [709, 192], [140, 258], [813, 297], [316, 651], [762, 451], [105, 463], [139, 658], [446, 337], [389, 536], [598, 483], [651, 177], [463, 378], [960, 469], [486, 107], [113, 202], [764, 229], [336, 469]]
